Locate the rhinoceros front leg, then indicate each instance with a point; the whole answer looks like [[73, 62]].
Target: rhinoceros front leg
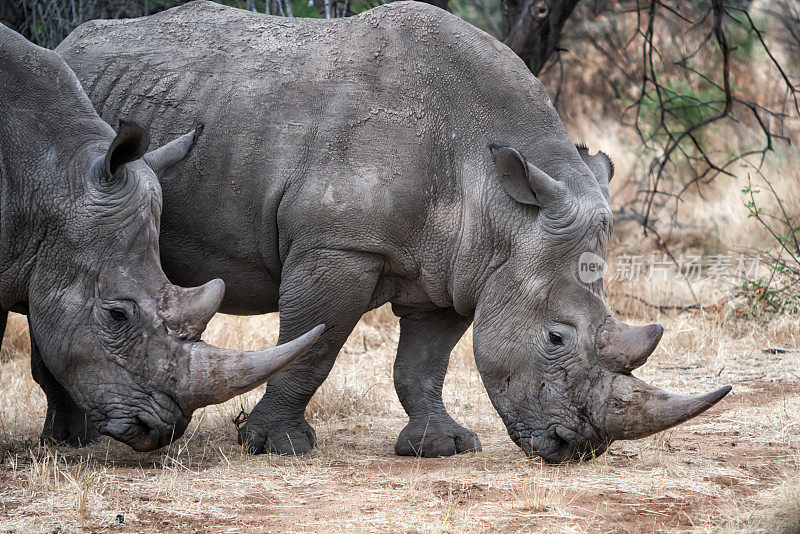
[[64, 422], [426, 340], [331, 287]]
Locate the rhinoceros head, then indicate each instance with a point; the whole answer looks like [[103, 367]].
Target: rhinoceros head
[[555, 363], [120, 338], [79, 224]]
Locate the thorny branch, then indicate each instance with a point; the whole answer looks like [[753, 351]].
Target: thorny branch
[[680, 91], [781, 291], [676, 144]]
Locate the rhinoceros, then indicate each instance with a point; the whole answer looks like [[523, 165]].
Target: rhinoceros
[[398, 156], [113, 344]]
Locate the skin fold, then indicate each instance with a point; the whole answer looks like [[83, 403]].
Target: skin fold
[[112, 341], [397, 156]]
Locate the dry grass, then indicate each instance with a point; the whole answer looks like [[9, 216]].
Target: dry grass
[[732, 469]]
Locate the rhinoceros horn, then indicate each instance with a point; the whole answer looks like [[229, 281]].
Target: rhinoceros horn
[[187, 311], [216, 375], [630, 408], [622, 347], [634, 409]]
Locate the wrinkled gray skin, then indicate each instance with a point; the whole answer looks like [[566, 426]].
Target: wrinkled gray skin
[[113, 342], [397, 156]]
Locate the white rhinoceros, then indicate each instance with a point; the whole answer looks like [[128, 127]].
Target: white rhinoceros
[[112, 341]]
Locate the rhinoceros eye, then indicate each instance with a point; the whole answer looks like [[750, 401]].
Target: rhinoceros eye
[[118, 314], [555, 338]]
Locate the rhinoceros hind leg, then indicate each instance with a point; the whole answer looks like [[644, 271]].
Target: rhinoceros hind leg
[[426, 340], [331, 287], [64, 422]]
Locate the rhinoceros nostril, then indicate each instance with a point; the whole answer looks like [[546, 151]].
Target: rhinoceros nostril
[[149, 439]]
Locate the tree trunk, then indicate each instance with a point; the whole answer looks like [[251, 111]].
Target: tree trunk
[[12, 13], [532, 28]]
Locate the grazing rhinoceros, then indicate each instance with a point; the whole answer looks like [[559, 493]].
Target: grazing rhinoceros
[[399, 156], [79, 218]]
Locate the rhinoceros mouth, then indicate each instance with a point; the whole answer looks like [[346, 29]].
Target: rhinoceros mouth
[[151, 438], [142, 436], [559, 445], [144, 431]]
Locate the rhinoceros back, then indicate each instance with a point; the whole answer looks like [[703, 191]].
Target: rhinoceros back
[[234, 68], [399, 70], [372, 114]]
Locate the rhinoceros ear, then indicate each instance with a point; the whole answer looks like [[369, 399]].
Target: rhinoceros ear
[[168, 155], [600, 164], [523, 181], [129, 145]]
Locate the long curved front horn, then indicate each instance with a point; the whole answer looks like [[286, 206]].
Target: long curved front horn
[[216, 375], [634, 409]]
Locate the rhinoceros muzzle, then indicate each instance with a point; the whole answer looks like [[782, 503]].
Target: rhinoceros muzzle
[[147, 431], [150, 438], [560, 444]]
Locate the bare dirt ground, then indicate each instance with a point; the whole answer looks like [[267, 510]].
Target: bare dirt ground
[[733, 469]]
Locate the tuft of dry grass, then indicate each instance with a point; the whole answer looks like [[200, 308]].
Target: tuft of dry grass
[[17, 342], [732, 469]]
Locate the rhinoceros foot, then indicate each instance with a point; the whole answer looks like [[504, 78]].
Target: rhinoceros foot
[[437, 435], [68, 425], [277, 437]]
